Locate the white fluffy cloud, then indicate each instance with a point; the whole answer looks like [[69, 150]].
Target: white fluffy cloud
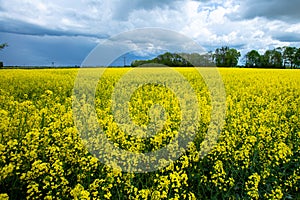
[[249, 24]]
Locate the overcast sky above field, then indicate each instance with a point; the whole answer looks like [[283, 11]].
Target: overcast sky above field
[[40, 32]]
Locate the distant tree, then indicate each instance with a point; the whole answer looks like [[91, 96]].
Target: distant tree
[[2, 46], [137, 63], [226, 57], [277, 58], [209, 59], [253, 59], [266, 59], [168, 59], [232, 57], [289, 56], [297, 58], [220, 56], [272, 59], [184, 57]]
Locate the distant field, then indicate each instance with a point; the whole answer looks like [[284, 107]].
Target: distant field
[[257, 155]]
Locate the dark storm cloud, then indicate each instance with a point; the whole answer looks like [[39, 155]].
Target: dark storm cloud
[[150, 4], [285, 10], [43, 50], [25, 28], [125, 7], [287, 37]]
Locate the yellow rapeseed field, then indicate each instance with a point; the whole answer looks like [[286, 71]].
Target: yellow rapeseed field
[[257, 155]]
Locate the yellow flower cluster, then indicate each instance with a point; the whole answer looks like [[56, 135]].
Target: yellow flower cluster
[[252, 186], [42, 155]]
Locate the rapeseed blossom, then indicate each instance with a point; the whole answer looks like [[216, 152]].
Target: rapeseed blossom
[[256, 155]]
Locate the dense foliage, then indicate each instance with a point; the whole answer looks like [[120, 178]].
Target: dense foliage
[[226, 57], [281, 57], [177, 60], [256, 157]]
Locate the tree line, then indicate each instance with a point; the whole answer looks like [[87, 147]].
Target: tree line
[[177, 60], [281, 57], [2, 46]]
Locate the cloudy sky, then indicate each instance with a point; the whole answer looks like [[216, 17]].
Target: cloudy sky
[[40, 32]]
